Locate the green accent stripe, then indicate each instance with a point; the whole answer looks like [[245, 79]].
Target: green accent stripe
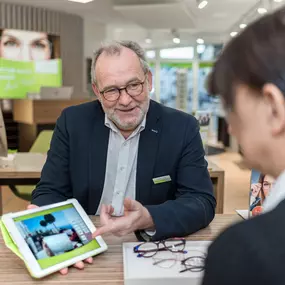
[[177, 64], [206, 64], [41, 213]]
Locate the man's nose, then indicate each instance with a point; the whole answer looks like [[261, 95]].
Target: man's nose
[[125, 99]]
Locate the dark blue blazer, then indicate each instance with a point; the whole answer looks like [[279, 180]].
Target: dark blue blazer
[[169, 145]]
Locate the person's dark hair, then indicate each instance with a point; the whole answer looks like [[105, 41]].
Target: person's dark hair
[[253, 58]]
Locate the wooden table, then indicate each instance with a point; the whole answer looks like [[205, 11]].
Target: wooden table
[[107, 268], [26, 170]]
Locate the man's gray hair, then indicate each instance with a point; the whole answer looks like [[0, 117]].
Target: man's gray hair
[[114, 48]]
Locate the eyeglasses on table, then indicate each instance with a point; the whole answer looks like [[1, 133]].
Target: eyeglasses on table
[[167, 253], [149, 249]]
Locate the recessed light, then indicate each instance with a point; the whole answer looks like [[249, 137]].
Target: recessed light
[[200, 41], [233, 34], [278, 1], [81, 1], [148, 40], [176, 40], [242, 26], [262, 10], [202, 4]]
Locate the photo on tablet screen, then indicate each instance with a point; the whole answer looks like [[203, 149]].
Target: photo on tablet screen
[[56, 235]]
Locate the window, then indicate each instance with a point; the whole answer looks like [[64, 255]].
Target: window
[[150, 54], [208, 52], [177, 53]]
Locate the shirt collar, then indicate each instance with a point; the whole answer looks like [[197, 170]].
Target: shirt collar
[[113, 127], [276, 195]]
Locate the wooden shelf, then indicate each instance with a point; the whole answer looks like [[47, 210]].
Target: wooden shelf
[[32, 112], [12, 130]]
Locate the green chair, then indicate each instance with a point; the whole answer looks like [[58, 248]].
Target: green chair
[[41, 145]]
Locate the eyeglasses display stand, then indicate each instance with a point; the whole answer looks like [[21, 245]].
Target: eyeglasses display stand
[[165, 267]]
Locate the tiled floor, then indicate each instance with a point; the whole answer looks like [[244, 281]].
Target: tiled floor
[[237, 181], [236, 185]]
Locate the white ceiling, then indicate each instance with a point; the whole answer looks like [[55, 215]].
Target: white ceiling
[[137, 19]]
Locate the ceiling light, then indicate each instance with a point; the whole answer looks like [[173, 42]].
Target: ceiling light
[[176, 40], [242, 26], [81, 1], [278, 1], [175, 36], [233, 34], [202, 4], [148, 40], [200, 41], [262, 10]]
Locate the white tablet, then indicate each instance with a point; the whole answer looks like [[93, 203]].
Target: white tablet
[[53, 237]]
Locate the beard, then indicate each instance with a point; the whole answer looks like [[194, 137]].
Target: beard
[[129, 124]]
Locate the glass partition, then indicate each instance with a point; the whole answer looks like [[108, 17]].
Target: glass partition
[[208, 52], [152, 92], [168, 83], [205, 100]]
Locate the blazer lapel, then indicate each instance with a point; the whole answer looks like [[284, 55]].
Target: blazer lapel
[[148, 146], [97, 159]]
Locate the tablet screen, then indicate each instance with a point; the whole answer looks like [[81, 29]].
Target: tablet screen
[[56, 235]]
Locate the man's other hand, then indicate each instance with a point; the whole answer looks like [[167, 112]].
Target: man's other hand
[[136, 217], [78, 265]]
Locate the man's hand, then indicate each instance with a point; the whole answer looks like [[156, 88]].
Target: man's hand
[[136, 217], [78, 265]]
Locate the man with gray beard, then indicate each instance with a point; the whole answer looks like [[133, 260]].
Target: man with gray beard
[[138, 164]]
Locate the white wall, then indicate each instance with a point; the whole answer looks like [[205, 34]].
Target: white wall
[[94, 34]]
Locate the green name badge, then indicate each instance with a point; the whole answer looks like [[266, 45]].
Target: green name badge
[[161, 179]]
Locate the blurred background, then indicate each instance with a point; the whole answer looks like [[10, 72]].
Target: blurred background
[[46, 49]]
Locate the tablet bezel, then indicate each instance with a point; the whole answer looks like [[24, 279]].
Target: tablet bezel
[[29, 258]]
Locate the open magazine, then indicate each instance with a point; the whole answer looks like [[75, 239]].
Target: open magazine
[[260, 186]]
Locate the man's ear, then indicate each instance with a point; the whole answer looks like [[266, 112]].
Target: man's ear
[[275, 103], [96, 90]]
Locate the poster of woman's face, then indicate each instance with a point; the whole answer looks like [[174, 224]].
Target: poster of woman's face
[[23, 45], [261, 185]]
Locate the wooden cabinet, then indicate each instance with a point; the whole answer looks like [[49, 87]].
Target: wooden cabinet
[[41, 111], [36, 115]]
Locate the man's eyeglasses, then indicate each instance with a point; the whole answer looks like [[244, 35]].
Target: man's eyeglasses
[[133, 89]]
